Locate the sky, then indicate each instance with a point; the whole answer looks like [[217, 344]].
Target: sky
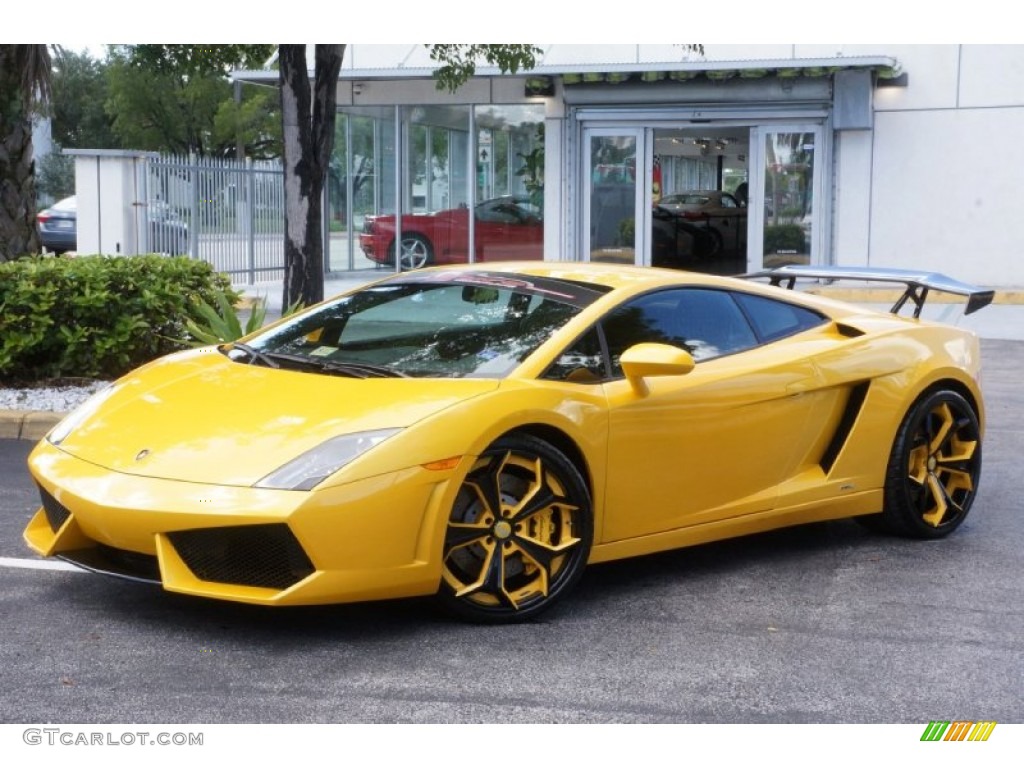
[[731, 21]]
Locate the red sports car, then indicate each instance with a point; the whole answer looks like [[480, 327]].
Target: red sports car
[[506, 228]]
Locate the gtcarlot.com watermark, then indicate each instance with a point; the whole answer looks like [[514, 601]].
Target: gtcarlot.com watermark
[[53, 737]]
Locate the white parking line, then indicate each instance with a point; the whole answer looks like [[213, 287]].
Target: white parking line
[[39, 565]]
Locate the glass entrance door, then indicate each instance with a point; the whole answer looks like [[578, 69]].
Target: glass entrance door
[[616, 204], [790, 181], [773, 174]]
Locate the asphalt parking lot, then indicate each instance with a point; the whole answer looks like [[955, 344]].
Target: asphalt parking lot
[[822, 623]]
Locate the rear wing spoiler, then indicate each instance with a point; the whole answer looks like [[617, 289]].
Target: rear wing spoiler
[[918, 284]]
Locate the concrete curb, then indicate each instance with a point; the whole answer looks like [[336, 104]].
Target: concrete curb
[[27, 425]]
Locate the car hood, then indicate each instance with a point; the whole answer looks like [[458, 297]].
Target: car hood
[[202, 418]]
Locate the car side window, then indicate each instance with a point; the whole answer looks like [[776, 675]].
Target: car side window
[[773, 320], [500, 212], [706, 323], [582, 363]]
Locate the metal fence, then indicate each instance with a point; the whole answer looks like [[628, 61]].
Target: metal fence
[[227, 212]]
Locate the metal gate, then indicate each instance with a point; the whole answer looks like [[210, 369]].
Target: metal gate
[[229, 213]]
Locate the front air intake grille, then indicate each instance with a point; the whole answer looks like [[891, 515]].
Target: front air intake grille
[[249, 555], [56, 513]]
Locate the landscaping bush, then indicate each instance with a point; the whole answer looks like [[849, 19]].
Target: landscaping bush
[[784, 238], [96, 316]]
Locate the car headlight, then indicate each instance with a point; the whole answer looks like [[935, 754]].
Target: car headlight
[[67, 425], [319, 463]]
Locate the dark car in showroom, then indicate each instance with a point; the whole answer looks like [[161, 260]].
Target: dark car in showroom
[[722, 214], [58, 228]]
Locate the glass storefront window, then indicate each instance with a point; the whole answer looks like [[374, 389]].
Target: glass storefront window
[[419, 169], [360, 181], [438, 186], [788, 198], [435, 220], [502, 177], [613, 206], [509, 213]]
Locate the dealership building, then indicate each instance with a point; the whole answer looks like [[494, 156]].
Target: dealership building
[[888, 155]]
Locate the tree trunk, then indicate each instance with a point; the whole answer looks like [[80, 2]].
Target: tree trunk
[[308, 117], [18, 234]]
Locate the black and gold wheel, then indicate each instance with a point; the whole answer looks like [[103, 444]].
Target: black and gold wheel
[[934, 467], [518, 535]]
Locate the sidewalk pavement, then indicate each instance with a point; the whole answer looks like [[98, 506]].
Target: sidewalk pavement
[[1003, 320], [27, 425]]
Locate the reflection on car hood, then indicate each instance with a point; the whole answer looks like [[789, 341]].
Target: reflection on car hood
[[200, 417]]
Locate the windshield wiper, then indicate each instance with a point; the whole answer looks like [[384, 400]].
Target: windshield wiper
[[255, 356], [356, 370], [363, 370]]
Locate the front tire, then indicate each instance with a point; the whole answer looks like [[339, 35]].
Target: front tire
[[934, 467], [519, 533]]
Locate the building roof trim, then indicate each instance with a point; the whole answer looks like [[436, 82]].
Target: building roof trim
[[886, 66]]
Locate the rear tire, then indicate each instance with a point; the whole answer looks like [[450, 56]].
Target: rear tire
[[933, 471], [708, 244], [416, 252]]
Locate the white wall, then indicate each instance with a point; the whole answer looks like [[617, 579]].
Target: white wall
[[948, 164], [851, 190], [946, 193], [938, 184]]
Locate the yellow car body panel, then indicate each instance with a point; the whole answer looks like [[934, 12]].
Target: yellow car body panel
[[743, 443], [235, 411]]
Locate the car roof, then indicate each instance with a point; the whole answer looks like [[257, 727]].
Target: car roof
[[698, 192], [67, 204], [613, 276], [627, 279]]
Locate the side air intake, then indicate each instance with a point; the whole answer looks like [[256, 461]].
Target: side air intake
[[854, 405]]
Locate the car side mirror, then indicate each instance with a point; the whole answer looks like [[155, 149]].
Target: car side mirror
[[645, 360]]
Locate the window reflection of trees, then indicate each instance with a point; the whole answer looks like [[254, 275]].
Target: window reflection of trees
[[426, 330], [636, 325]]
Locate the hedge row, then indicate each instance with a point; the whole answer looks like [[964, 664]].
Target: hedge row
[[787, 238], [96, 316]]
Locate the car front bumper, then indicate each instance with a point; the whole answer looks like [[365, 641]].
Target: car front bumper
[[375, 247], [370, 539]]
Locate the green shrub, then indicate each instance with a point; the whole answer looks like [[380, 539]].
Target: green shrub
[[627, 232], [222, 323], [96, 316], [784, 238]]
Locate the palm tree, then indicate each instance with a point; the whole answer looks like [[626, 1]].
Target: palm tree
[[24, 84]]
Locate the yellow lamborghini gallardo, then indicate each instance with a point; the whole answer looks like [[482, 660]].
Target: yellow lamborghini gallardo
[[481, 433]]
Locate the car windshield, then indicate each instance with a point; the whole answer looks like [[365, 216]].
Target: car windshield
[[450, 324]]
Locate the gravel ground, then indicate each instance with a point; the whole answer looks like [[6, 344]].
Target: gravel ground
[[59, 397]]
